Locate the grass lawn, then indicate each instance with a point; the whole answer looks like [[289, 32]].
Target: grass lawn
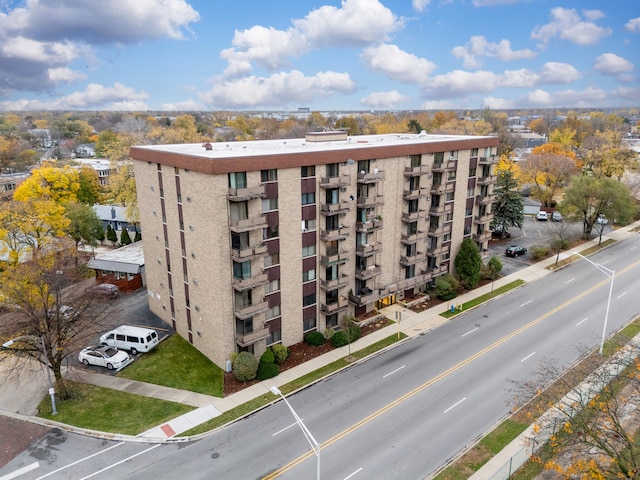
[[483, 298], [177, 364], [106, 410]]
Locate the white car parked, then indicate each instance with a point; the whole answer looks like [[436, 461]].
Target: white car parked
[[104, 356]]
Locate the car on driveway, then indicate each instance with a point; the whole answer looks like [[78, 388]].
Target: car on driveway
[[497, 232], [602, 220], [556, 217], [542, 216], [515, 251], [104, 356], [108, 290]]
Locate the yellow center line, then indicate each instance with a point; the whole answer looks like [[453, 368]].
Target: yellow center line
[[437, 378]]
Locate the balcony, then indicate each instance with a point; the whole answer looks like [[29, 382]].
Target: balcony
[[249, 282], [244, 225], [331, 308], [483, 199], [364, 177], [369, 249], [441, 209], [369, 272], [337, 234], [487, 180], [416, 171], [483, 218], [414, 281], [487, 160], [250, 310], [246, 339], [412, 260], [370, 201], [334, 258], [366, 296], [413, 237], [437, 230], [335, 208], [335, 182], [413, 194], [439, 250], [248, 253], [332, 284], [413, 216], [481, 237], [438, 167], [368, 226], [246, 193]]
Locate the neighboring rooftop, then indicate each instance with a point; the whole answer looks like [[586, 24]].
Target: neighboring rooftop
[[127, 259]]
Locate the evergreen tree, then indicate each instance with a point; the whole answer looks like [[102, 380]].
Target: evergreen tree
[[125, 239], [111, 235], [138, 236], [508, 208], [468, 264]]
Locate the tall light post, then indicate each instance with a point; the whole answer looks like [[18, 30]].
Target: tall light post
[[52, 392], [315, 446], [611, 274]]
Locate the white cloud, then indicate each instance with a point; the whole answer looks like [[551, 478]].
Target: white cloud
[[550, 73], [633, 25], [420, 5], [384, 100], [397, 64], [556, 72], [612, 64], [116, 97], [459, 83], [491, 3], [497, 103], [278, 90], [522, 78], [567, 24], [439, 105], [478, 46], [65, 75], [186, 105]]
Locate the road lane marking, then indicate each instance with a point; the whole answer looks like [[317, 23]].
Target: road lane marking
[[528, 357], [582, 321], [398, 401], [82, 460], [454, 405], [20, 471], [526, 303], [353, 474], [570, 280], [396, 370], [621, 295], [633, 248], [121, 461], [285, 428], [470, 331]]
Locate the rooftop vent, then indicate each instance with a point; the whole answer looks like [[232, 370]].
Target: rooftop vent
[[328, 136], [207, 146]]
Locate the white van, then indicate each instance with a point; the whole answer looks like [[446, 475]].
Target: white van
[[134, 339]]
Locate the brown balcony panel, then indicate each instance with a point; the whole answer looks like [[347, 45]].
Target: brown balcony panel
[[438, 189], [333, 259], [416, 171], [251, 282], [487, 160], [251, 310], [337, 234], [248, 253], [483, 218], [412, 238], [413, 194], [433, 252], [481, 237], [369, 249], [341, 281], [438, 167], [246, 224], [248, 193], [418, 257], [487, 180], [247, 339], [364, 299], [335, 182], [413, 216], [370, 201], [371, 177], [368, 272], [483, 199], [341, 304]]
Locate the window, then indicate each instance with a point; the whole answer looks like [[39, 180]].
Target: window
[[238, 210], [332, 321], [448, 217], [470, 192], [270, 175], [272, 286], [409, 271], [468, 211], [275, 337], [451, 175], [271, 260], [454, 155], [364, 166], [474, 152], [414, 183], [332, 297], [273, 312], [242, 270], [450, 196], [333, 170], [412, 228], [413, 206], [308, 198], [244, 327], [332, 196], [332, 223], [238, 180], [331, 272], [309, 171], [308, 300], [416, 160], [411, 250], [446, 237], [308, 251], [239, 240], [270, 232], [309, 275], [309, 324], [309, 225], [243, 299], [472, 172], [269, 204]]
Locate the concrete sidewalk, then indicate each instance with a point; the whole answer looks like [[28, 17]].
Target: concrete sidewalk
[[209, 407]]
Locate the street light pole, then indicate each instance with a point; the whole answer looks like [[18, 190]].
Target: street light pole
[[315, 446], [611, 274]]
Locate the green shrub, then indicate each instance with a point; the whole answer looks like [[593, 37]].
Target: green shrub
[[446, 287], [245, 366], [268, 356], [339, 339], [354, 332], [267, 370], [280, 352], [315, 339], [539, 251], [328, 333]]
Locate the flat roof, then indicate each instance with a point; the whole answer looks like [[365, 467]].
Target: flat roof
[[127, 259]]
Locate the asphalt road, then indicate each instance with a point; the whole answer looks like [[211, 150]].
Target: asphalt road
[[401, 414]]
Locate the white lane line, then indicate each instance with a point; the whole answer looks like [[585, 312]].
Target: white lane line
[[396, 370], [582, 321], [570, 280], [470, 331], [21, 471], [621, 295], [285, 428], [82, 460], [357, 471], [605, 262], [528, 357], [633, 248], [455, 405], [121, 461], [526, 303]]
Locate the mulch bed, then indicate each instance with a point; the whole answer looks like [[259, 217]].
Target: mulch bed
[[298, 354]]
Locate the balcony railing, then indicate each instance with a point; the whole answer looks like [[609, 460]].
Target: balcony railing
[[366, 296], [373, 177], [481, 237], [413, 237], [369, 249], [246, 339], [370, 201], [487, 217], [243, 225], [413, 194], [331, 308], [247, 253], [335, 182], [412, 259], [249, 282], [335, 208], [337, 234], [334, 259], [369, 225], [483, 199], [413, 216], [416, 171], [250, 310], [487, 180], [369, 272], [487, 160], [439, 250], [246, 193], [339, 282], [441, 209]]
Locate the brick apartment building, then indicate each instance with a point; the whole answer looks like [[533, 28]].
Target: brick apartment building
[[252, 243]]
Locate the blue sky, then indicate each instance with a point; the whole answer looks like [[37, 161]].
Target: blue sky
[[322, 54]]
